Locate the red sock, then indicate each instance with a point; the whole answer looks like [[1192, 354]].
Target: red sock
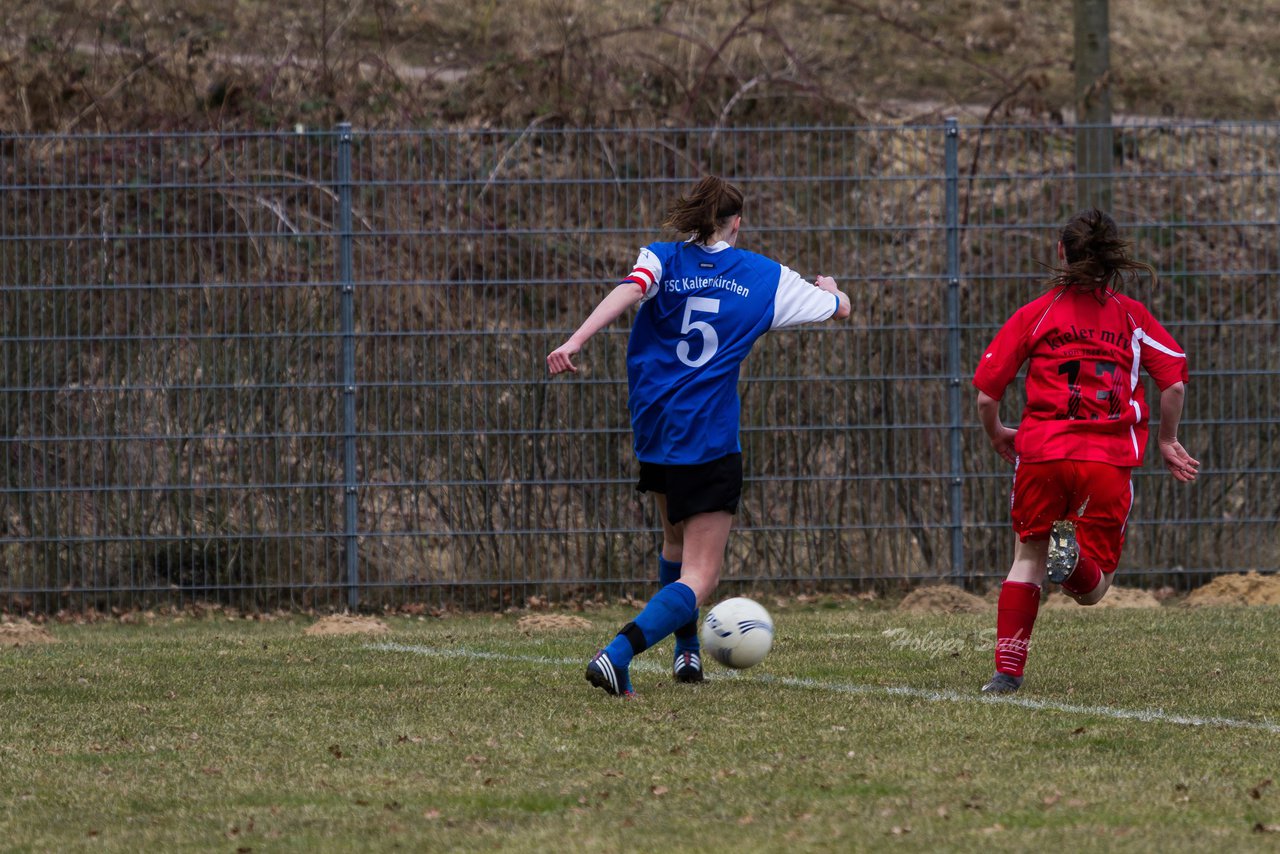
[[1015, 615], [1084, 578]]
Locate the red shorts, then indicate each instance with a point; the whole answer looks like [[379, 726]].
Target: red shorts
[[1096, 496]]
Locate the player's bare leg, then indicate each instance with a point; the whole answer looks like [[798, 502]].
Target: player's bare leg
[[705, 538], [707, 534], [1029, 561], [672, 535], [686, 663]]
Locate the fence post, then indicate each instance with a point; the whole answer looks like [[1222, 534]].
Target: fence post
[[1095, 158], [952, 214], [346, 277]]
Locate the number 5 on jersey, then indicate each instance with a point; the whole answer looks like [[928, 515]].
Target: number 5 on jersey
[[710, 341]]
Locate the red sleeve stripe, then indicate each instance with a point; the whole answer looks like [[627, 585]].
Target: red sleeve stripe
[[641, 277]]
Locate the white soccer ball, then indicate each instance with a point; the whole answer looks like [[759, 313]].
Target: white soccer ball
[[737, 633]]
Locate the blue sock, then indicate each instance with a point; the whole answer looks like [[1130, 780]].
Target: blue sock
[[672, 607], [668, 571], [686, 635]]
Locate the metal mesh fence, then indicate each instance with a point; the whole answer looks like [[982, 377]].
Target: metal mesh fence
[[297, 370]]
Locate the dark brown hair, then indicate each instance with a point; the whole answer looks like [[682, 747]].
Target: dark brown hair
[[1097, 258], [707, 207]]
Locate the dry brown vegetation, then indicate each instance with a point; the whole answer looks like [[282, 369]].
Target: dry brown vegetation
[[120, 65]]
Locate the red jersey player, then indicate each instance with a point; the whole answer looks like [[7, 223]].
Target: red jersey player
[[1083, 430]]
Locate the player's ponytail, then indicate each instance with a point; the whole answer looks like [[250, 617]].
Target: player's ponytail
[[1097, 258], [706, 208]]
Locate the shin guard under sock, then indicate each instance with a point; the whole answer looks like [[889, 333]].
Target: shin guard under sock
[[686, 635], [1084, 578], [1015, 617], [672, 607]]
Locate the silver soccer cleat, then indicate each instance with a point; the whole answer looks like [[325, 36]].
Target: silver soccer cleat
[[1064, 551]]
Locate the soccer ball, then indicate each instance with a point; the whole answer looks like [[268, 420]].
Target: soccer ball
[[737, 633]]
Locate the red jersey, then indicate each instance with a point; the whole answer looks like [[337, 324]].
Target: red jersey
[[1084, 400]]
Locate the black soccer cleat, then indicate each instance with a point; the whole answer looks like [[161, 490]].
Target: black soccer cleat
[[687, 667], [612, 680]]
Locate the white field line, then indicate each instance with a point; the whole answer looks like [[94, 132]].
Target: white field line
[[1150, 716]]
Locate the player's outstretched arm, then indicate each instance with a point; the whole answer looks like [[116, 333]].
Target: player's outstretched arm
[[607, 311], [1181, 465], [828, 284], [1001, 436]]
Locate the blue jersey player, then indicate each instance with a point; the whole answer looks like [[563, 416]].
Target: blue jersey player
[[703, 303]]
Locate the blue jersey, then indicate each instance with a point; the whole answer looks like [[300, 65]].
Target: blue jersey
[[703, 308]]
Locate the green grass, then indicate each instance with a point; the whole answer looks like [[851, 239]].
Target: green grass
[[229, 735]]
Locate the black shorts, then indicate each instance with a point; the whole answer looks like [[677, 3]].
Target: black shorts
[[690, 490]]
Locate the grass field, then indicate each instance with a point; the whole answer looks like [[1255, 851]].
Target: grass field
[[1155, 729]]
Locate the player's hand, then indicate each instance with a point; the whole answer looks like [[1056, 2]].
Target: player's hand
[[1002, 441], [561, 359], [1180, 464], [843, 306]]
